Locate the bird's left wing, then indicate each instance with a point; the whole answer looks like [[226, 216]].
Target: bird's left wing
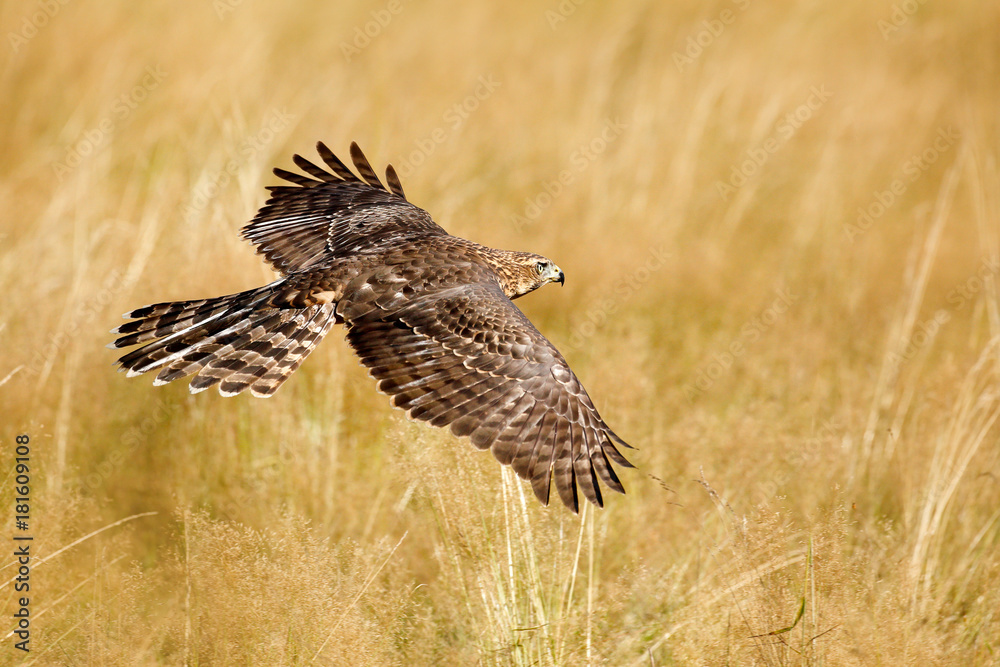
[[332, 213], [468, 358]]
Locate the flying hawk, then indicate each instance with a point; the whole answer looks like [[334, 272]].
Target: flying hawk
[[429, 314]]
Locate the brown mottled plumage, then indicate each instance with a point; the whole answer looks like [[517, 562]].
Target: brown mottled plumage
[[428, 313]]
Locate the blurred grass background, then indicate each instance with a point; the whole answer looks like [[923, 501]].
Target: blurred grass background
[[813, 389]]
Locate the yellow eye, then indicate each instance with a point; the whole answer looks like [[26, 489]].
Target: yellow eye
[[540, 267]]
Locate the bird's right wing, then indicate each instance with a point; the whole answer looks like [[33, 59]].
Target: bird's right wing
[[332, 214], [467, 357]]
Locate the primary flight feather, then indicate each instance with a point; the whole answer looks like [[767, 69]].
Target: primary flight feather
[[429, 314]]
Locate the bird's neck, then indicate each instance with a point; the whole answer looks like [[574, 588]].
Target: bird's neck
[[509, 266]]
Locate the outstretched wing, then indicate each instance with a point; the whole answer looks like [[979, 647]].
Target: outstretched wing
[[467, 357], [333, 214]]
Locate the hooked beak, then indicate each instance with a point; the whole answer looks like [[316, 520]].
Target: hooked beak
[[554, 274]]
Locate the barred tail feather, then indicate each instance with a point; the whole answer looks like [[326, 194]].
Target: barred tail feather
[[265, 356], [174, 327], [236, 342], [289, 355]]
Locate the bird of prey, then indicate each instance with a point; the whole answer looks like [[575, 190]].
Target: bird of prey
[[429, 314]]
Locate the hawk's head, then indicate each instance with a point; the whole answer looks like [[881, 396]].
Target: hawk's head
[[524, 272]]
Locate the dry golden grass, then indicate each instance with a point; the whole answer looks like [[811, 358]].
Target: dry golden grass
[[814, 398]]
